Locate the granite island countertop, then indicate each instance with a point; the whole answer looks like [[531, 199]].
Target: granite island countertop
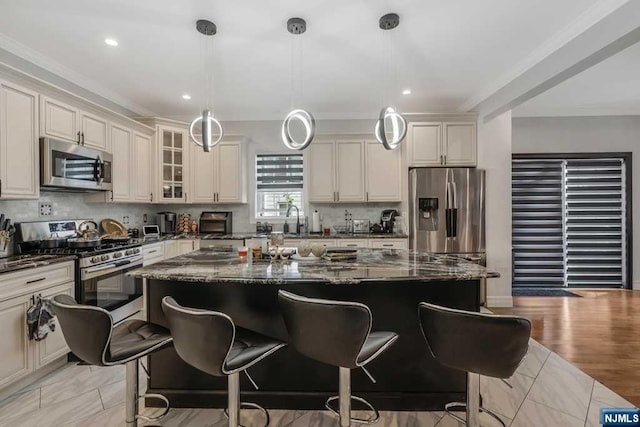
[[372, 265], [243, 236]]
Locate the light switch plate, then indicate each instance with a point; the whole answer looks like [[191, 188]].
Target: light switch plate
[[125, 220], [46, 209]]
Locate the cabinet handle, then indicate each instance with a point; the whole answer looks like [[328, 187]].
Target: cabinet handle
[[445, 159], [112, 196], [185, 197], [337, 196], [367, 196], [441, 159], [387, 245], [36, 280], [151, 197], [0, 188], [82, 138], [78, 137], [152, 252]]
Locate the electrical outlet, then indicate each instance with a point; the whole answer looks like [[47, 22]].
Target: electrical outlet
[[125, 220], [46, 209], [144, 218]]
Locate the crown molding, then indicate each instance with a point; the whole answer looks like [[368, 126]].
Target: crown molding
[[583, 22], [51, 66]]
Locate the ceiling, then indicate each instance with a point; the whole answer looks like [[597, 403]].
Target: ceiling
[[447, 51], [611, 87]]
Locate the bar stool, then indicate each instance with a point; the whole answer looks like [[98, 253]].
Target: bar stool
[[91, 336], [210, 342], [478, 344], [337, 333]]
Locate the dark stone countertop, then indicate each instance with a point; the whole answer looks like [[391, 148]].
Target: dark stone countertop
[[22, 262], [372, 265], [241, 236]]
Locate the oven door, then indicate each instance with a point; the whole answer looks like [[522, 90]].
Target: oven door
[[108, 286], [66, 165]]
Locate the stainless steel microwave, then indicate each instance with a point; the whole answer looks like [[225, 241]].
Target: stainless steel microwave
[[65, 165]]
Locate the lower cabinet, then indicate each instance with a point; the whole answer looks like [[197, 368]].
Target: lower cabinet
[[152, 253], [20, 356], [352, 243], [388, 243]]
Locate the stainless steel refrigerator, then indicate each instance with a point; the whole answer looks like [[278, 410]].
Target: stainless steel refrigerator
[[446, 211]]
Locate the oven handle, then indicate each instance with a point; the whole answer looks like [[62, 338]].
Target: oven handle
[[89, 273]]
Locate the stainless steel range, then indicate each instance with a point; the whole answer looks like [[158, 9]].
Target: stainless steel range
[[101, 278]]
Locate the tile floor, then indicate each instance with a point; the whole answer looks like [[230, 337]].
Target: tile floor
[[545, 391]]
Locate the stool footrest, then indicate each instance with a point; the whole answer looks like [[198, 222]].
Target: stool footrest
[[374, 419], [163, 414], [250, 405], [449, 409]]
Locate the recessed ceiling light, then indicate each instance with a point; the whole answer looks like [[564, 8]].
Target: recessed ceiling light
[[111, 42], [406, 92], [186, 96]]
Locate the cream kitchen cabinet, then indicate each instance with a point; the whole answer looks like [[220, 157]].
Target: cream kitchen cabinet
[[152, 253], [219, 176], [172, 166], [171, 249], [383, 173], [388, 243], [22, 358], [352, 243], [441, 144], [294, 243], [187, 245], [142, 189], [62, 121], [123, 169], [336, 171], [19, 160]]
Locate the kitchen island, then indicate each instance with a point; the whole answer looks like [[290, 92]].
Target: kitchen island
[[390, 282]]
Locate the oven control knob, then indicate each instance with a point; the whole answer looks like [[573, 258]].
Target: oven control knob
[[117, 255], [128, 252], [95, 259], [136, 251], [104, 257]]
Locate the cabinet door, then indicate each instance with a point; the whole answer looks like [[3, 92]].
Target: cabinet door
[[388, 243], [204, 172], [230, 173], [185, 246], [319, 162], [14, 351], [18, 143], [170, 249], [94, 132], [460, 144], [350, 171], [384, 173], [122, 164], [352, 243], [58, 120], [173, 154], [425, 144], [142, 157], [54, 345]]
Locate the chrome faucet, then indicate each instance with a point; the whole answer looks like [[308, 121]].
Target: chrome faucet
[[298, 214]]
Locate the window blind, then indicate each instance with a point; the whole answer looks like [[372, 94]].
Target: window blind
[[537, 232], [278, 172]]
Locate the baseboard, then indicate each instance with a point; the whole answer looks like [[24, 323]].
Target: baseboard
[[499, 301]]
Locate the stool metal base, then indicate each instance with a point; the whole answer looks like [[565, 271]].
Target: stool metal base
[[344, 402], [234, 405], [132, 397], [473, 406]]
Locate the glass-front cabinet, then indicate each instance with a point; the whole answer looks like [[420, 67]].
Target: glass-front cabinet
[[173, 146]]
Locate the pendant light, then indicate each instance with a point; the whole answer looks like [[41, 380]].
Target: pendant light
[[207, 120], [296, 27], [391, 127]]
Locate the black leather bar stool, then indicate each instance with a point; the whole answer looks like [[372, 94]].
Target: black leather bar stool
[[339, 334], [210, 341], [90, 334], [478, 344]]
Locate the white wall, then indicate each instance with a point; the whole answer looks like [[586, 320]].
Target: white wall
[[494, 156], [585, 135]]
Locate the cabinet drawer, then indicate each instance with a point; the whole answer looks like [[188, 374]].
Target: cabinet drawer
[[27, 281], [294, 243], [352, 243], [152, 251], [388, 243]]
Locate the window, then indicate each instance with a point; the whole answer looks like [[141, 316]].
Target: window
[[279, 183], [570, 221]]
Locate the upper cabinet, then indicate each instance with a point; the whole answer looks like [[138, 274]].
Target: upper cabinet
[[141, 168], [219, 176], [173, 153], [441, 144], [352, 170], [62, 121], [18, 143], [122, 163]]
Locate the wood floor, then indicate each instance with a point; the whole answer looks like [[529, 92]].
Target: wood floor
[[599, 333]]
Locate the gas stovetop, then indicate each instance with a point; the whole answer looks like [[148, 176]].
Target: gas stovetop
[[103, 254]]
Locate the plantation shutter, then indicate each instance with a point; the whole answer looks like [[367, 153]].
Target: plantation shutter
[[538, 258]]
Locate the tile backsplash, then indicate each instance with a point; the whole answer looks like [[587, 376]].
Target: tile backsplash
[[76, 206]]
